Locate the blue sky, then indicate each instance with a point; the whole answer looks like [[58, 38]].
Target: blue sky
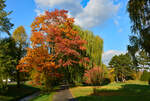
[[106, 18]]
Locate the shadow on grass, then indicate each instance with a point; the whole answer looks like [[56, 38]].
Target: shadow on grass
[[13, 93], [128, 92], [125, 90]]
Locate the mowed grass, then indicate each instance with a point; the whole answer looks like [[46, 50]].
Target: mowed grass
[[14, 94], [129, 91], [46, 96]]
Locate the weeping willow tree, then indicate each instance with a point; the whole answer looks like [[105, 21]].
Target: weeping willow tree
[[94, 46]]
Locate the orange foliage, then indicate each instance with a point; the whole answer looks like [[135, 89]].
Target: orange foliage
[[55, 29], [54, 44]]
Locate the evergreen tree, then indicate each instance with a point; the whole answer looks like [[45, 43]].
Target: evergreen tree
[[8, 60], [122, 65]]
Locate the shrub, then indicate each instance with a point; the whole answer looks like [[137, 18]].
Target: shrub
[[94, 76], [106, 81], [111, 74], [138, 75], [145, 76]]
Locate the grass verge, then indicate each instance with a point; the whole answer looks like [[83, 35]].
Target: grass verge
[[129, 91], [46, 96]]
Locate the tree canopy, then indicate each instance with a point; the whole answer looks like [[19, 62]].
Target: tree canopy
[[94, 46], [139, 13], [122, 65], [20, 38], [8, 60], [55, 45], [143, 60], [5, 24]]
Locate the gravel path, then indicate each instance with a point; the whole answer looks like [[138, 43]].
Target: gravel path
[[63, 95]]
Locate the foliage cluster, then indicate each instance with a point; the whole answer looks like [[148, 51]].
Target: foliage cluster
[[145, 76], [139, 15], [94, 76], [122, 67], [5, 24], [56, 50], [94, 46], [8, 60]]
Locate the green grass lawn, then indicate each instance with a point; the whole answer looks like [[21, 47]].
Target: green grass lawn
[[46, 96], [129, 91], [13, 93]]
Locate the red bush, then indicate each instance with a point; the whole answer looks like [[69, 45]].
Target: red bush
[[94, 76]]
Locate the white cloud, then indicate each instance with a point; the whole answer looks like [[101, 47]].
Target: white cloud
[[39, 12], [106, 57], [95, 13], [73, 6]]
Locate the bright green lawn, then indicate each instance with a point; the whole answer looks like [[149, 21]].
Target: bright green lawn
[[46, 97], [13, 93], [129, 91]]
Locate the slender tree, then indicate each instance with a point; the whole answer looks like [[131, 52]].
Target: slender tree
[[20, 37]]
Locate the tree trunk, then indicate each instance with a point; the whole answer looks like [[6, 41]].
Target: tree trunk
[[18, 72], [117, 79], [6, 81], [18, 79], [123, 80]]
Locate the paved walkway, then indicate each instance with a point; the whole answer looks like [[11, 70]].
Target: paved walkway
[[63, 95]]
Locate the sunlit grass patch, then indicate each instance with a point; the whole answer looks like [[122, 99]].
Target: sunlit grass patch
[[44, 97], [128, 91]]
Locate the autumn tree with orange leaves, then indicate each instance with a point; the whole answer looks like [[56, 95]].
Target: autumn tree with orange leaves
[[57, 49]]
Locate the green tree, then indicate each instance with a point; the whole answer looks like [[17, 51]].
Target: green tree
[[20, 37], [8, 60], [5, 24], [133, 49], [94, 46], [139, 13], [143, 60], [145, 76], [122, 65]]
